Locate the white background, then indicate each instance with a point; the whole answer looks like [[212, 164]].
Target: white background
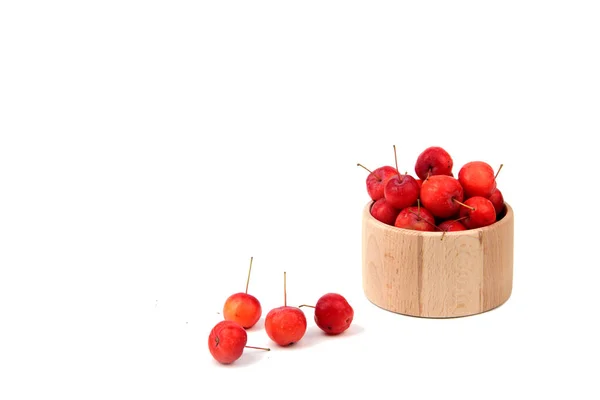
[[149, 148]]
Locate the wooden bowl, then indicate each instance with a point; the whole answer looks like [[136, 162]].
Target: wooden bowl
[[424, 275]]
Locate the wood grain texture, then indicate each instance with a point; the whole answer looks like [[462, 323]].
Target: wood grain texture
[[421, 274]]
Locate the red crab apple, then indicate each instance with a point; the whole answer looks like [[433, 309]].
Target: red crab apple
[[227, 340], [497, 200], [333, 313], [377, 179], [452, 226], [416, 218], [401, 190], [285, 325], [439, 194], [477, 212], [382, 211], [477, 179], [242, 307], [433, 161]]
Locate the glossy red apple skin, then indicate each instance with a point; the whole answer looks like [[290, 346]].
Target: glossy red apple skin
[[438, 194], [242, 308], [477, 179], [333, 313], [498, 201], [377, 179], [401, 191], [382, 211], [226, 341], [433, 161], [285, 325], [415, 218], [451, 226], [483, 214]]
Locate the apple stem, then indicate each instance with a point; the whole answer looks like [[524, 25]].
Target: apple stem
[[306, 305], [249, 270], [497, 172], [396, 161], [419, 208], [258, 348], [378, 178], [284, 290], [463, 204]]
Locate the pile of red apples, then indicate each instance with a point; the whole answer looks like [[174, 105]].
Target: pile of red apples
[[284, 325], [436, 200]]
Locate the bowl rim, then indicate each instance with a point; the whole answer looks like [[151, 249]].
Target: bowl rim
[[508, 216]]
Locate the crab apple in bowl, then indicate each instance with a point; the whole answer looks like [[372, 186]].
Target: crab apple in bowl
[[433, 161], [451, 226], [477, 212], [440, 193], [416, 218], [401, 191], [382, 211], [477, 179], [377, 179], [498, 201]]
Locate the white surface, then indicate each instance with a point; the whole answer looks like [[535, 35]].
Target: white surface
[[148, 149]]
